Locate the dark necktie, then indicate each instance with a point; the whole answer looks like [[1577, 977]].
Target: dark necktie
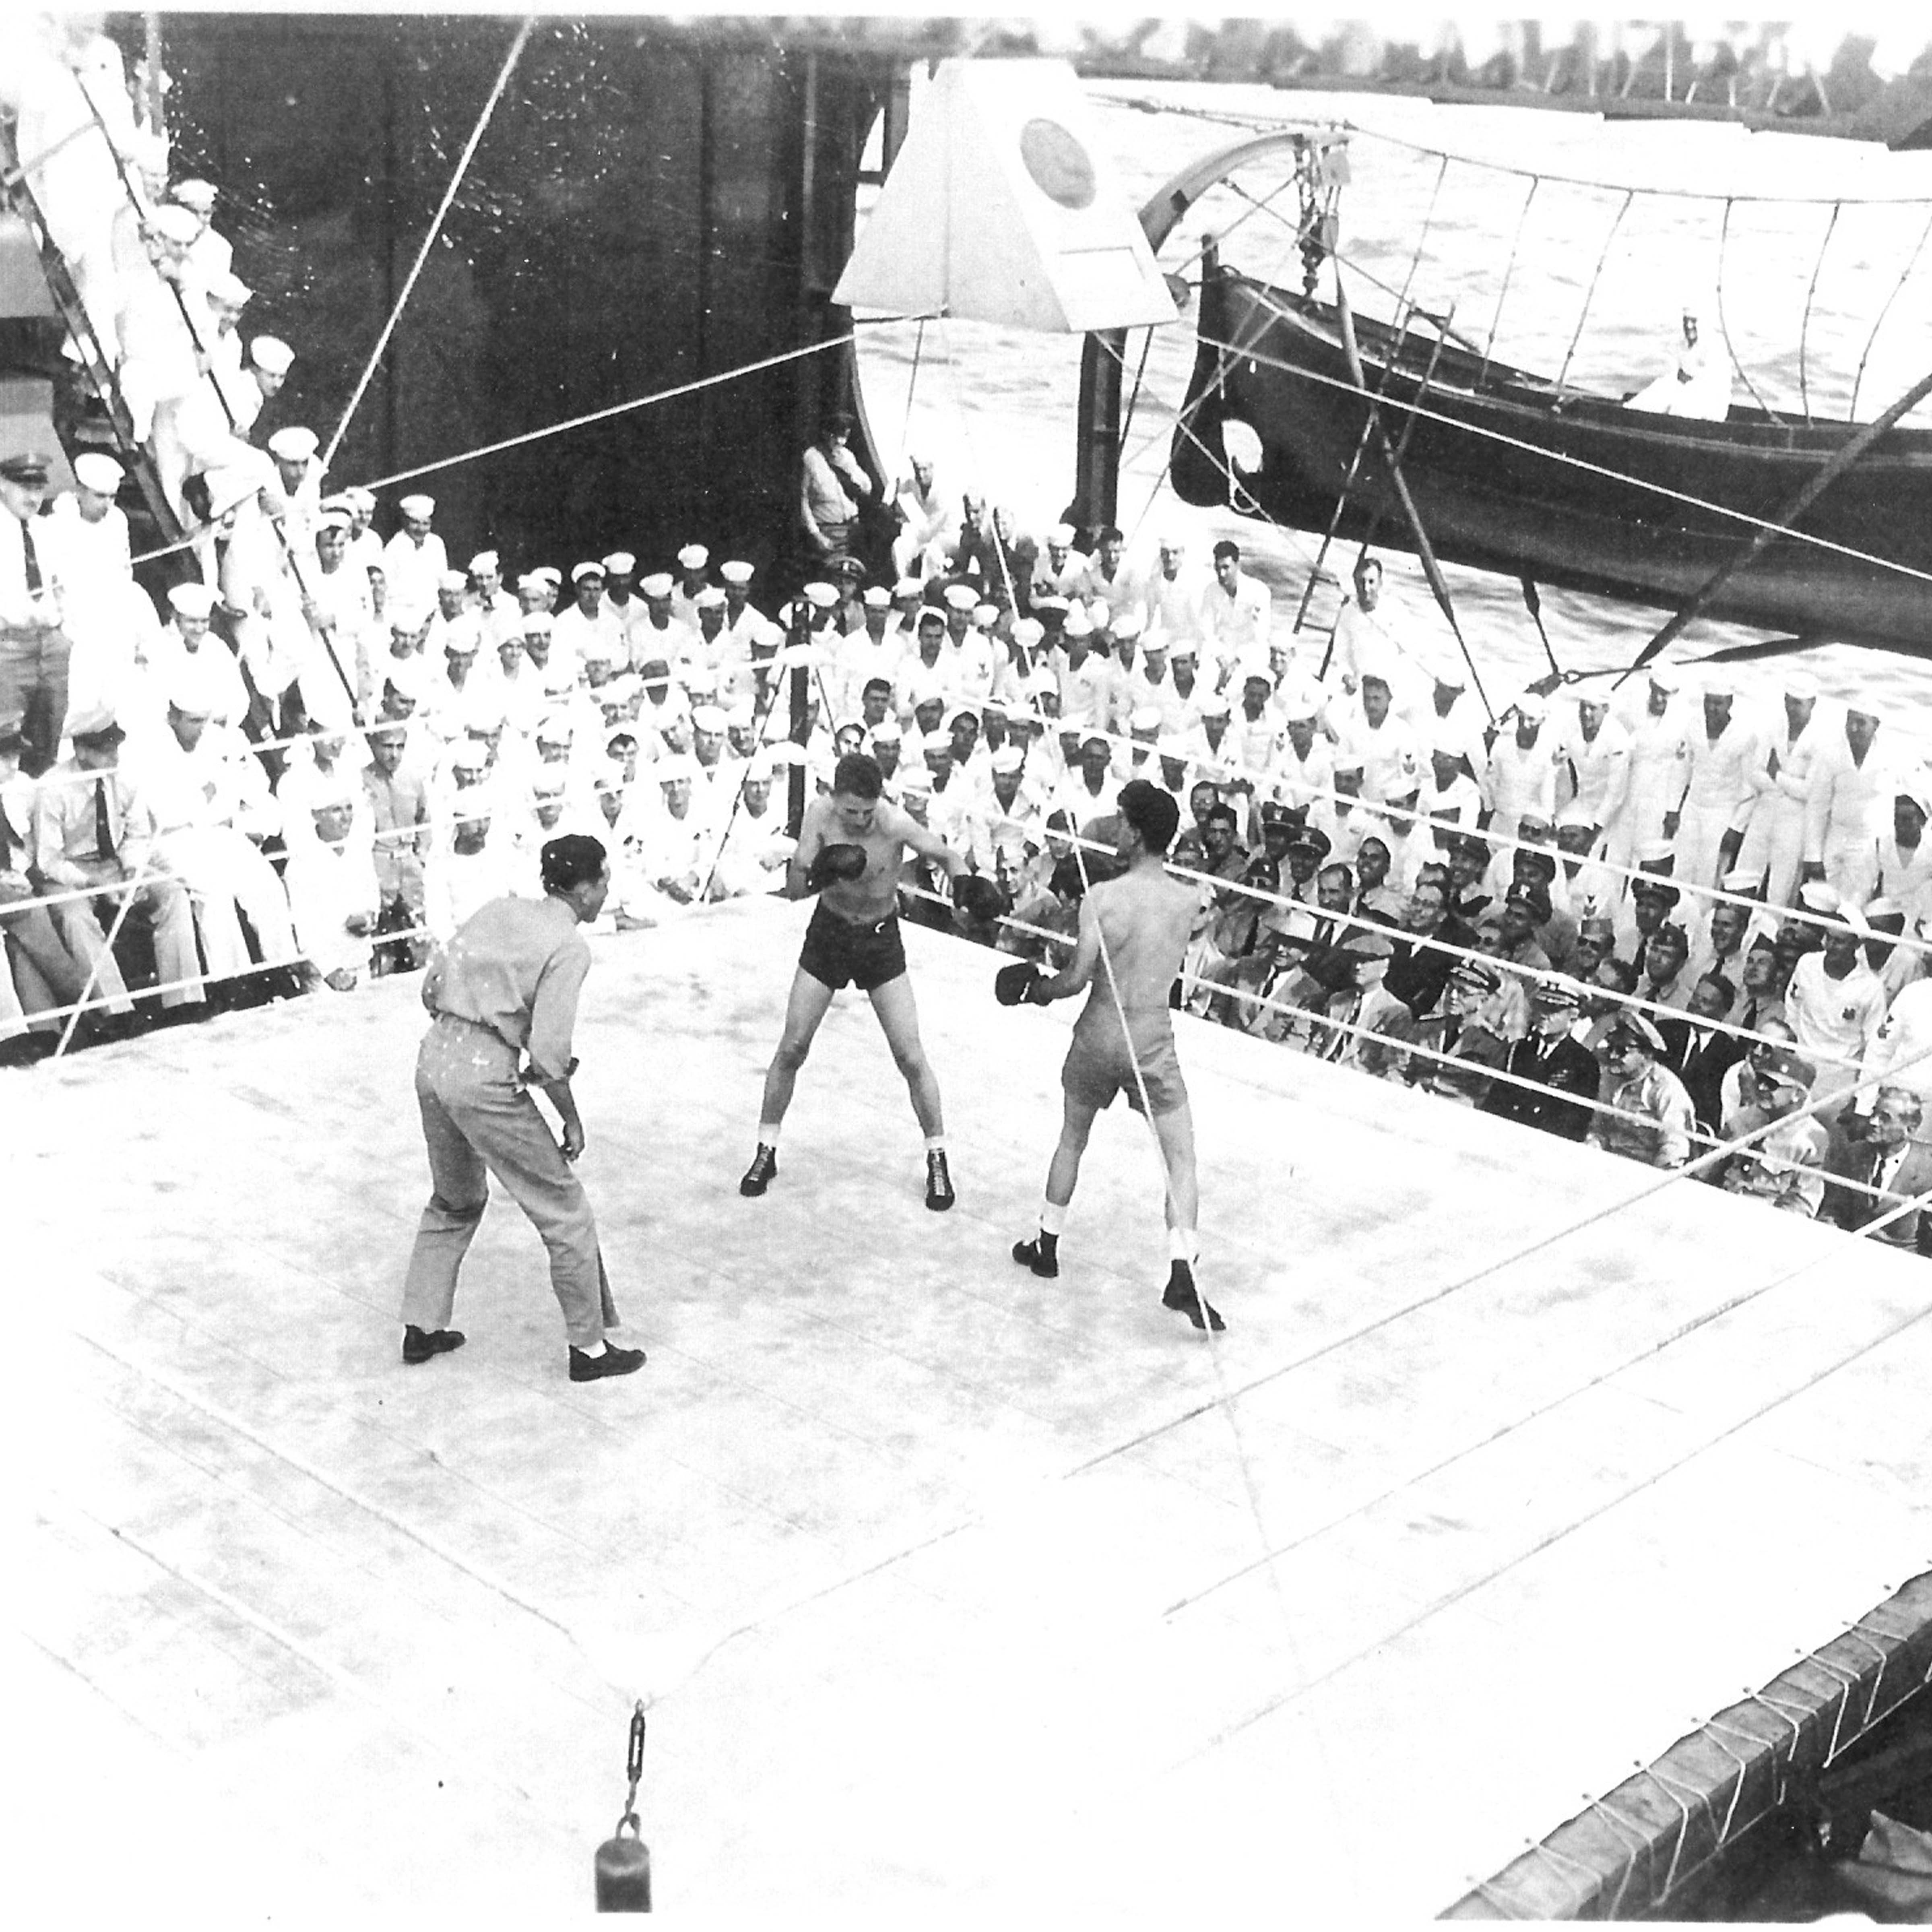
[[33, 561], [103, 827], [6, 844]]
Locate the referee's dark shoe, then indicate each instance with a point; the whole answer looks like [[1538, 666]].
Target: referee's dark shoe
[[419, 1345], [614, 1361]]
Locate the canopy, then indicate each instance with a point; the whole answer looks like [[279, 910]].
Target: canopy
[[1000, 209]]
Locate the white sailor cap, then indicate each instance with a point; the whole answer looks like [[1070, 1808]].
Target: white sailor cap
[[914, 780], [361, 499], [554, 728], [962, 597], [294, 445], [878, 597], [711, 597], [1532, 706], [1076, 625], [1145, 718], [1061, 536], [1180, 649], [417, 505], [886, 732], [484, 562], [1028, 632], [693, 556], [195, 688], [1008, 758], [534, 623], [452, 580], [986, 615], [96, 471], [174, 224], [736, 571], [482, 710], [549, 783], [272, 354], [657, 586], [469, 757], [228, 288], [1664, 677], [548, 573], [820, 596], [708, 718], [908, 586], [408, 677], [579, 572], [620, 563], [1214, 706], [1128, 624], [674, 767], [336, 514], [191, 600], [462, 640], [1798, 684]]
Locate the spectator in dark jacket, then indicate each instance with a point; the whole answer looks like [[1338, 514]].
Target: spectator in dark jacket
[[1564, 1071]]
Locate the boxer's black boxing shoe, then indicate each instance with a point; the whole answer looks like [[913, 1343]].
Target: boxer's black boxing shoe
[[1184, 1298], [1032, 1255], [762, 1172], [939, 1194]]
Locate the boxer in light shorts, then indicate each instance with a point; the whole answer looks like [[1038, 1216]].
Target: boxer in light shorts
[[1133, 931]]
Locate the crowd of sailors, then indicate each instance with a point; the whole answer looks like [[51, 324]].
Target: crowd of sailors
[[1650, 917]]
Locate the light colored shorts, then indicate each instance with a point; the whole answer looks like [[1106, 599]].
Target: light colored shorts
[[1101, 1063]]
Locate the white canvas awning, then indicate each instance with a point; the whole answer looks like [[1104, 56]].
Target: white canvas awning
[[1000, 209]]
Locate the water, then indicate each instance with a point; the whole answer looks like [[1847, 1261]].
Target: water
[[996, 407]]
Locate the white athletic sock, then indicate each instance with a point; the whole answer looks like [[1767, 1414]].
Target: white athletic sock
[[597, 1350], [1051, 1218], [1180, 1244], [935, 1143], [768, 1135]]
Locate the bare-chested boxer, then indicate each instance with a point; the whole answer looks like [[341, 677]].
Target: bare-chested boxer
[[1123, 1041], [851, 845]]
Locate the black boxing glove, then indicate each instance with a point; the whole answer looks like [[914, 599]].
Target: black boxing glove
[[1013, 985], [977, 897], [835, 861]]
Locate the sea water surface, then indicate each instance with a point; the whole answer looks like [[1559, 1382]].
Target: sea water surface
[[1792, 246]]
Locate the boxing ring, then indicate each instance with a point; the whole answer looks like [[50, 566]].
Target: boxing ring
[[949, 1592]]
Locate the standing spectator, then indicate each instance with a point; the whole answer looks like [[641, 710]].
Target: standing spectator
[[415, 560], [833, 487], [1774, 842], [1851, 782], [33, 647], [1708, 826]]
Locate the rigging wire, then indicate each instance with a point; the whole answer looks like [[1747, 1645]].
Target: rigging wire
[[429, 239]]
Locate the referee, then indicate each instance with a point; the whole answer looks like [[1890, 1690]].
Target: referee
[[505, 991]]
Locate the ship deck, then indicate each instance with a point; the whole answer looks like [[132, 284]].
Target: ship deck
[[950, 1591]]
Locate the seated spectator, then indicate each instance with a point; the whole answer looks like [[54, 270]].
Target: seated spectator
[[1565, 1071], [94, 833], [331, 882], [1784, 1165], [1654, 1120], [1887, 1156]]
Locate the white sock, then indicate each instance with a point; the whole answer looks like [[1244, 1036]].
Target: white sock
[[935, 1143], [1051, 1218], [598, 1351], [1180, 1244], [768, 1135]]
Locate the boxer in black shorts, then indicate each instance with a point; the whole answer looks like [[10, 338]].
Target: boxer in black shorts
[[851, 848]]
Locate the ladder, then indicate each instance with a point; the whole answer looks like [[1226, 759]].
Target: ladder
[[101, 422]]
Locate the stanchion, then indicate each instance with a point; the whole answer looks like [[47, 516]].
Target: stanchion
[[623, 1863]]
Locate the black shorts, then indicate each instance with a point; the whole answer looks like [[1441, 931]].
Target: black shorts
[[838, 953]]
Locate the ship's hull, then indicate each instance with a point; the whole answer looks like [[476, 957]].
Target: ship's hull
[[1573, 494]]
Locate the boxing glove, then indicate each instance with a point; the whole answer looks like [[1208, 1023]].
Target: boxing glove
[[835, 861]]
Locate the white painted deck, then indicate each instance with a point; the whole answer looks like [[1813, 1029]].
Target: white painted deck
[[950, 1590]]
